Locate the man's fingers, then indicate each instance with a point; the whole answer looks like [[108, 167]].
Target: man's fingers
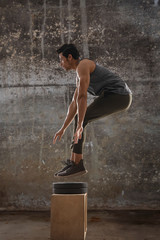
[[54, 140], [59, 137], [75, 138]]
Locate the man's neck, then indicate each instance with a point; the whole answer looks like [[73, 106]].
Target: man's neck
[[75, 64]]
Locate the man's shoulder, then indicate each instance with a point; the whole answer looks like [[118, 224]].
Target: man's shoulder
[[86, 61], [86, 64]]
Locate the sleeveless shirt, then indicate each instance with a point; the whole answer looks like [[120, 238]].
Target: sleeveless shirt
[[101, 79]]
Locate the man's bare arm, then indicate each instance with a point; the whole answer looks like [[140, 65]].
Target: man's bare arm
[[84, 78], [81, 102]]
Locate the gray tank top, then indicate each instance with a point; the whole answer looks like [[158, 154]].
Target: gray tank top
[[101, 79]]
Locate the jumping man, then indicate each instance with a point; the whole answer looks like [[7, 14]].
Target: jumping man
[[113, 95]]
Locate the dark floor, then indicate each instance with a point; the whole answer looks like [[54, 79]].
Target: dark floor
[[102, 225]]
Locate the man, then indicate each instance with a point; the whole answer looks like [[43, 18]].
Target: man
[[113, 95]]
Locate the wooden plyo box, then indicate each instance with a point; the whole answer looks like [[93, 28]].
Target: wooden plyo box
[[68, 216]]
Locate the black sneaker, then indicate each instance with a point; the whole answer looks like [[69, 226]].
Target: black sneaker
[[74, 169], [68, 163]]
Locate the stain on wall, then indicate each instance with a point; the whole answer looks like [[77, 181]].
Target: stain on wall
[[121, 151]]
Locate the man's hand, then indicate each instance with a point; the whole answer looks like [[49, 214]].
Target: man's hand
[[78, 134], [58, 135]]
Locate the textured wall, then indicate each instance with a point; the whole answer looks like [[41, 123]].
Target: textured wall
[[122, 151]]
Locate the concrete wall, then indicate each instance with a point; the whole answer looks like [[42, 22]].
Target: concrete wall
[[122, 151]]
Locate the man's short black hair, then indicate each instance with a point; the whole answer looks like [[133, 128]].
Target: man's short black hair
[[67, 49]]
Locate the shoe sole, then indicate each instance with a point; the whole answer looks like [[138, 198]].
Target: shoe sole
[[56, 174], [75, 174]]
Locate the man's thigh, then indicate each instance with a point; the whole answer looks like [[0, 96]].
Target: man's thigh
[[105, 105]]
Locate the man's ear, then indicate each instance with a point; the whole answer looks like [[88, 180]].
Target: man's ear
[[70, 57]]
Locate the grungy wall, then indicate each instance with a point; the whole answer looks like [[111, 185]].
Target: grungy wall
[[121, 151]]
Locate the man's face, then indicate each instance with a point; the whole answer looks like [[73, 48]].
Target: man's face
[[65, 62]]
